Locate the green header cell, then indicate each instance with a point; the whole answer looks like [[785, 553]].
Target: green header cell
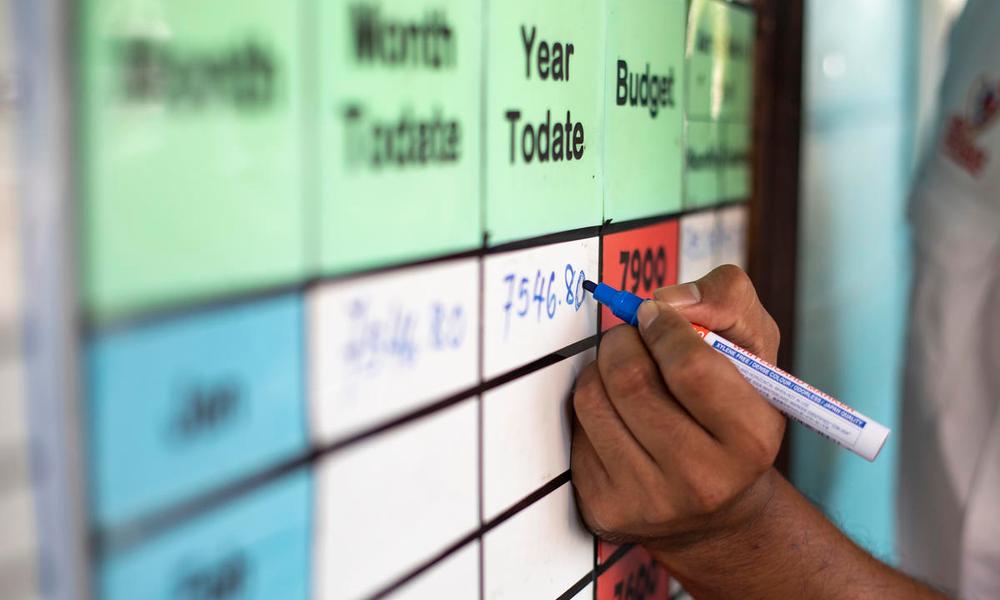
[[644, 100], [703, 165], [719, 54], [190, 150], [736, 143], [399, 122], [544, 116], [742, 33]]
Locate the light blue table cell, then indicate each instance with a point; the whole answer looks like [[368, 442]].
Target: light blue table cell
[[187, 405], [257, 546]]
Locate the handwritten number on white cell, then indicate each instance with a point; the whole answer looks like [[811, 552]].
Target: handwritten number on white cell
[[397, 336], [540, 289]]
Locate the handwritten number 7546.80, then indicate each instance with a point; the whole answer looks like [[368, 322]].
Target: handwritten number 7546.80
[[533, 297]]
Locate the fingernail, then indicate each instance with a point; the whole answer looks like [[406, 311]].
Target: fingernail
[[647, 313], [679, 296]]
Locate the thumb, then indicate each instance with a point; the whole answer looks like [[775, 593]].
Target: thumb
[[726, 302]]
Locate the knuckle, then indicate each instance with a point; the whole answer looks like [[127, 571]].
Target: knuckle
[[773, 438], [772, 334], [689, 368], [603, 517], [743, 293], [762, 448], [734, 292], [633, 378], [733, 275], [735, 282], [709, 493], [773, 338], [657, 509]]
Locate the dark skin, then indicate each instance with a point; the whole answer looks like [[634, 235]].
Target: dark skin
[[674, 450]]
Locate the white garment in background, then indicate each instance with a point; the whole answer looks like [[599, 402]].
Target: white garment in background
[[949, 488]]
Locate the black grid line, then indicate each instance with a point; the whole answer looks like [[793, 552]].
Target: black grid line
[[554, 484], [526, 502], [128, 535], [577, 587], [596, 573], [93, 325]]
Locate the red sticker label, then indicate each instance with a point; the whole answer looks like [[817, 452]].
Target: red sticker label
[[640, 261], [635, 576]]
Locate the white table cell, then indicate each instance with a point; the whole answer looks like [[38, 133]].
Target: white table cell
[[389, 503], [731, 225], [697, 245], [534, 302], [539, 552], [455, 577], [387, 344], [526, 433]]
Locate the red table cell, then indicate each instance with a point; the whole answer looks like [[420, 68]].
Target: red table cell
[[635, 576], [640, 261]]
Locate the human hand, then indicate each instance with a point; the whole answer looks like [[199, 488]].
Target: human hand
[[671, 445]]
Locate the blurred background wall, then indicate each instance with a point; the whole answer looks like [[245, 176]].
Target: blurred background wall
[[871, 72], [18, 543]]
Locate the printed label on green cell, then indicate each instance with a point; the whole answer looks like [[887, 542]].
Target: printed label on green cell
[[190, 150], [719, 54], [399, 123], [742, 32], [736, 165], [544, 117], [644, 99], [703, 165]]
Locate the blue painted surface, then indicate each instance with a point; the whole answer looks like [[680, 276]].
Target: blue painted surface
[[192, 403], [854, 270], [257, 546]]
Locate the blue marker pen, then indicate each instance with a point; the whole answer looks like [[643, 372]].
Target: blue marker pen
[[623, 304], [794, 397]]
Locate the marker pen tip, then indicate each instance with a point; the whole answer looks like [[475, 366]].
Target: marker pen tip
[[589, 285]]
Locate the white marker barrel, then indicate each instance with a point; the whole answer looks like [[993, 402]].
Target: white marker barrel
[[802, 402]]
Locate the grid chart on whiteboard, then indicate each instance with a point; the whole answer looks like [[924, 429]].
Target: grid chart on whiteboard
[[332, 256]]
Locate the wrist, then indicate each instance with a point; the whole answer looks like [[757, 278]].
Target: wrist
[[731, 551], [739, 519], [776, 544]]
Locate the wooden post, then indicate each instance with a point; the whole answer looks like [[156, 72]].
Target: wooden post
[[774, 205]]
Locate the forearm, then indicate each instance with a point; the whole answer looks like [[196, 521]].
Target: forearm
[[788, 549]]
